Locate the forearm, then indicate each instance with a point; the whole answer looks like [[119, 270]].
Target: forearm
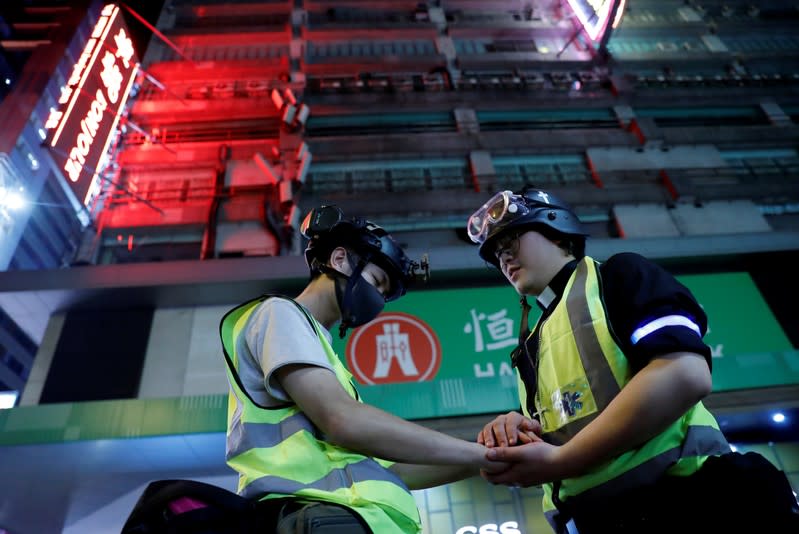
[[656, 396], [427, 476], [368, 430], [378, 433]]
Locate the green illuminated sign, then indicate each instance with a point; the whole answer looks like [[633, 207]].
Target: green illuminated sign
[[749, 347], [476, 328], [473, 329]]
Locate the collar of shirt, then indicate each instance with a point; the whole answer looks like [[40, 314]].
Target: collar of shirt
[[551, 294]]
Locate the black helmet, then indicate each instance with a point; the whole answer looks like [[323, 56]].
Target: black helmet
[[506, 211], [326, 228]]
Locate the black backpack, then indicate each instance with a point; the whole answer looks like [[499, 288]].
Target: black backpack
[[191, 507]]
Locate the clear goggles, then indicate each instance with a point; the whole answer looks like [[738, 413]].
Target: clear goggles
[[501, 208]]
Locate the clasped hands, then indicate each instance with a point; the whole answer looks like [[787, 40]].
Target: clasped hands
[[515, 440]]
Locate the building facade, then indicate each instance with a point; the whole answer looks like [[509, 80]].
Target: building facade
[[671, 127]]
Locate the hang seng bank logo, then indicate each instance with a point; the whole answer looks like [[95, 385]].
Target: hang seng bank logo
[[395, 347]]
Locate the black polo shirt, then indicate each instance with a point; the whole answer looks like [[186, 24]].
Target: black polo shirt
[[649, 313]]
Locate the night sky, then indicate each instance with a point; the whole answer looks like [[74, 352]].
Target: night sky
[[141, 34]]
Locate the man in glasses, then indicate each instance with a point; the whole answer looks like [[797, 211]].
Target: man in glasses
[[299, 437], [611, 381]]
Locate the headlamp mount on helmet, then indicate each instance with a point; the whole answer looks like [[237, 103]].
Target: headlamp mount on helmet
[[326, 227], [359, 301]]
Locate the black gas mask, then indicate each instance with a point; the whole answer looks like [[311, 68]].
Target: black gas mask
[[358, 300]]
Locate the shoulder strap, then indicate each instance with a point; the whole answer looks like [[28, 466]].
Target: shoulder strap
[[229, 361], [225, 333]]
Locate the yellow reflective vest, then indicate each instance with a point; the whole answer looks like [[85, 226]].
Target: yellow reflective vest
[[580, 369], [278, 451]]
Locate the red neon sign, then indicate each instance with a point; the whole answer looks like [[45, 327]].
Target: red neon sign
[[91, 102]]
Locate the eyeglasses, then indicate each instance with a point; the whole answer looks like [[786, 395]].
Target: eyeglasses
[[507, 244], [502, 207]]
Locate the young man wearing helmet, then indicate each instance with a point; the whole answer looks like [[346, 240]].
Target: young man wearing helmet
[[296, 427], [611, 380]]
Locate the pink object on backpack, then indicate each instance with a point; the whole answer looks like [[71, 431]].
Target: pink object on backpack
[[185, 504]]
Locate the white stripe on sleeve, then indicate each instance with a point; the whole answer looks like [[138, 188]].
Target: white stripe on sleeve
[[663, 322]]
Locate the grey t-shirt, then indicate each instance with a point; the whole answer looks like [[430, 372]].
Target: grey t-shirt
[[276, 334]]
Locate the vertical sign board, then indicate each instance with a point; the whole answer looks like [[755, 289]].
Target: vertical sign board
[[91, 102], [446, 352]]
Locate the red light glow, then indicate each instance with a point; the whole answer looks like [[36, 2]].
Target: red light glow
[[95, 185], [93, 98], [102, 28]]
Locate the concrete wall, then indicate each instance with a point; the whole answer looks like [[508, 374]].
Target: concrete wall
[[183, 358], [685, 219], [44, 357], [184, 354]]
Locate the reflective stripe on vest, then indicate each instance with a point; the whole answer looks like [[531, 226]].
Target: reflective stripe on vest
[[364, 470], [278, 451], [580, 370]]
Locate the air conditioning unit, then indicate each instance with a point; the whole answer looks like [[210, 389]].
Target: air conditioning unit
[[245, 238], [402, 83], [588, 79], [352, 85], [223, 90], [490, 82], [434, 81], [330, 85], [420, 14], [468, 83], [510, 81], [256, 88], [561, 79], [532, 80], [378, 83], [198, 92]]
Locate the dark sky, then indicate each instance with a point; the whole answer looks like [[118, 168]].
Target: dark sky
[[149, 10]]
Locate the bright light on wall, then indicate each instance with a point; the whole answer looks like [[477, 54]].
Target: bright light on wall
[[11, 194], [33, 162], [8, 399], [594, 15], [11, 200], [778, 417]]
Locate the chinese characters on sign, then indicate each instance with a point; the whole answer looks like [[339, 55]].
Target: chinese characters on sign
[[501, 335], [91, 102], [437, 353], [498, 326], [124, 47]]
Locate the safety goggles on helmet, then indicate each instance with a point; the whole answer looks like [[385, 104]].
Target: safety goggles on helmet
[[500, 209]]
